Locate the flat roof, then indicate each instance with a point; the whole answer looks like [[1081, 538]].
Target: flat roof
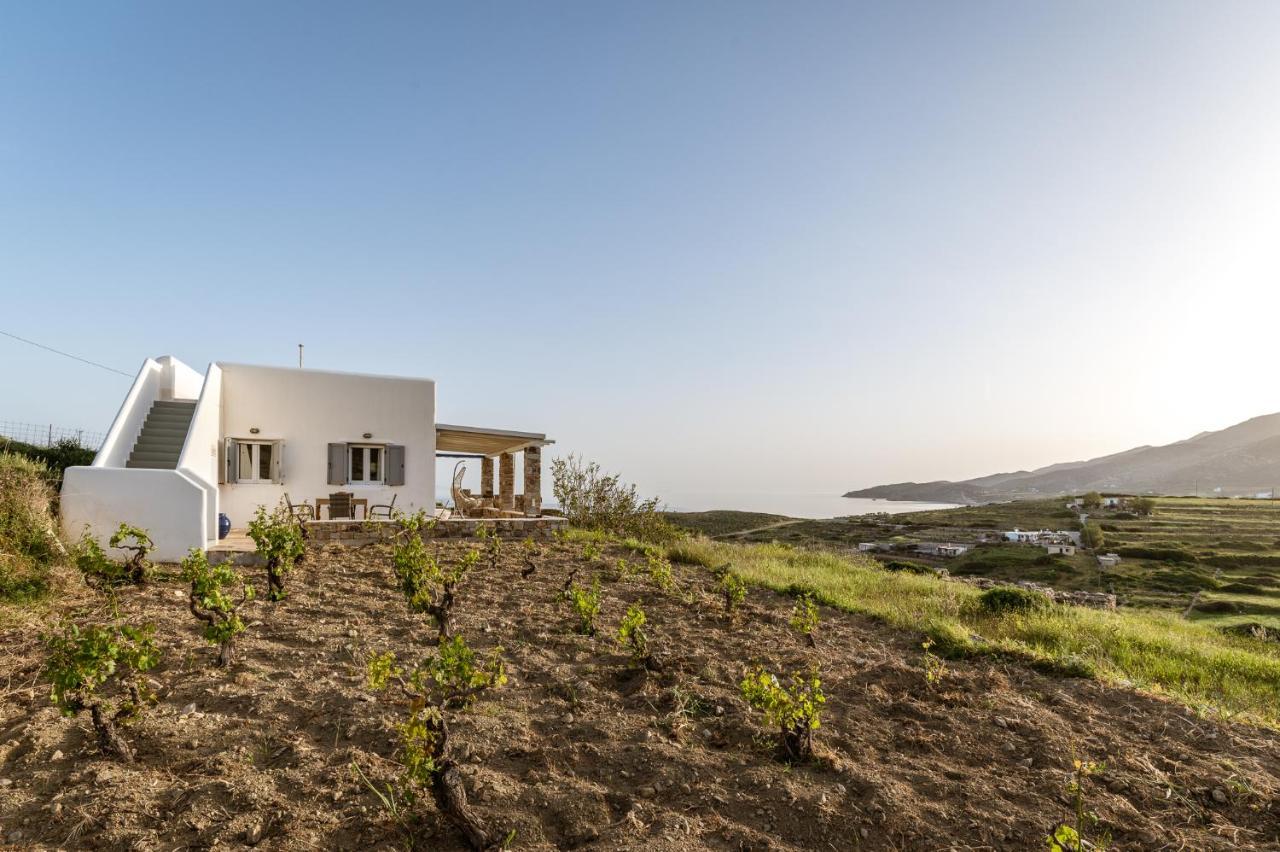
[[484, 441]]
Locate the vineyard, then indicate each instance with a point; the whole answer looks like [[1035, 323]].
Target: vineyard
[[585, 693]]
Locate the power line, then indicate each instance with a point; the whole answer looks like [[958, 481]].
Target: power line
[[68, 355]]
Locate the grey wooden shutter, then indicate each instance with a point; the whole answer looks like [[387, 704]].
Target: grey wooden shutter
[[277, 461], [395, 464], [337, 464], [231, 460]]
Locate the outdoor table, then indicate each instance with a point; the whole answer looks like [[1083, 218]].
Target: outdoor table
[[356, 503]]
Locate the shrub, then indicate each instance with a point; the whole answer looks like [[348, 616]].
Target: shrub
[[804, 618], [1075, 837], [97, 669], [136, 567], [1143, 505], [279, 541], [731, 588], [794, 710], [55, 459], [935, 668], [659, 571], [428, 587], [211, 602], [1011, 599], [909, 567], [28, 543], [586, 604], [595, 501], [93, 562], [492, 544], [632, 637], [1092, 536], [441, 687]]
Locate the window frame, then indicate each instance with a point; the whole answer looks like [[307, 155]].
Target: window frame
[[365, 449], [255, 446]]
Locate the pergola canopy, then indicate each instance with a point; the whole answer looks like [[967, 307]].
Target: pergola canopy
[[481, 441]]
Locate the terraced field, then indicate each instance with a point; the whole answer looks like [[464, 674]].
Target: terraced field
[[1213, 559]]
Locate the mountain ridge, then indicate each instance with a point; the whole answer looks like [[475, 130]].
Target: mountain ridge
[[1240, 460]]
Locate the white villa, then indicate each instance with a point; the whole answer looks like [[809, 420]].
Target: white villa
[[185, 448]]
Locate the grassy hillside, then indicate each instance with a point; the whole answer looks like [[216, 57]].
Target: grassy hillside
[[1157, 651]]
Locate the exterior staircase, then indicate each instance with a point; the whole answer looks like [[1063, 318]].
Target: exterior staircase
[[160, 442]]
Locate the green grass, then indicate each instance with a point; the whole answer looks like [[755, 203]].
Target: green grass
[[1188, 661]]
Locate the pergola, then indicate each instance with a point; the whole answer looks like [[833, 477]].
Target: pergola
[[487, 444]]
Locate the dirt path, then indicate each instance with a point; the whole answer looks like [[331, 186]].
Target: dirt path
[[579, 750], [773, 526]]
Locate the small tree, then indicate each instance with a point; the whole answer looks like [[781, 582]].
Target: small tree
[[793, 710], [211, 602], [136, 567], [731, 588], [593, 500], [441, 687], [1092, 536], [428, 587], [804, 619], [1092, 500], [586, 603], [279, 541], [98, 669]]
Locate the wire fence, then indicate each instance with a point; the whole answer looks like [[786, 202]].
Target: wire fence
[[48, 434]]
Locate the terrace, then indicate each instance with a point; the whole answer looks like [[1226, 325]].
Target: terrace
[[495, 504]]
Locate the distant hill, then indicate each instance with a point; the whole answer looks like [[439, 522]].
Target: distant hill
[[1241, 460]]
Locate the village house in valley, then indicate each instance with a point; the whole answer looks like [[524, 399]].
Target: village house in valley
[[186, 448]]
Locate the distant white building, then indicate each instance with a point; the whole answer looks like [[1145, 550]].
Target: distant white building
[[1042, 537], [1108, 560], [1056, 548], [1113, 502]]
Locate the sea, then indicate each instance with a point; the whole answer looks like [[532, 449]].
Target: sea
[[793, 505]]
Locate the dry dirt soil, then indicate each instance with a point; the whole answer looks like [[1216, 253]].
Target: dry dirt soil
[[578, 751]]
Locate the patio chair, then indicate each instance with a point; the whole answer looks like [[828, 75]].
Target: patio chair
[[341, 505], [383, 510], [299, 511], [463, 504]]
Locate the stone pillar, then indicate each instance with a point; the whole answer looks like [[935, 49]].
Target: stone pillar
[[506, 481], [533, 481], [486, 477]]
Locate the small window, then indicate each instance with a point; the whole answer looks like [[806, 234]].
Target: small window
[[366, 464], [255, 461]]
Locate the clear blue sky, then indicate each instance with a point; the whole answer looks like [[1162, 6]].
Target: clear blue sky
[[717, 246]]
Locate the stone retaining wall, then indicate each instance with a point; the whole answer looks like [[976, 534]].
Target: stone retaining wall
[[367, 532]]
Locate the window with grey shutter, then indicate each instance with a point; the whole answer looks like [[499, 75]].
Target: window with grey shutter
[[231, 460], [337, 464], [277, 461], [395, 464]]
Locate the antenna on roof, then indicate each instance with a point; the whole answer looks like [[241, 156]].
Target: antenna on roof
[[299, 356]]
